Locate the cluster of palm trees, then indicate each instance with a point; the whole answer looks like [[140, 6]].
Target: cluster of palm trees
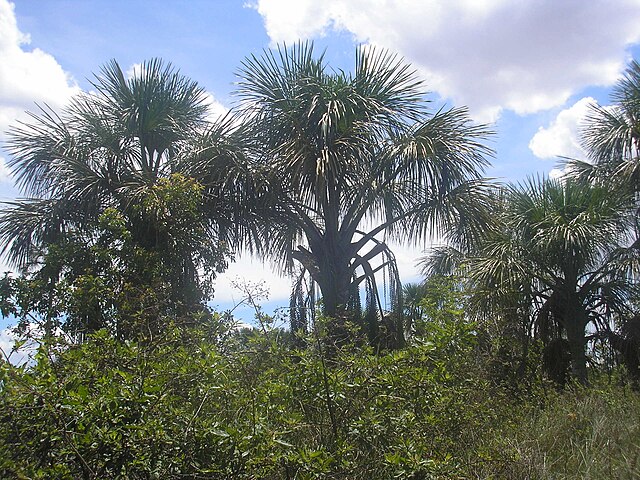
[[315, 169], [561, 255]]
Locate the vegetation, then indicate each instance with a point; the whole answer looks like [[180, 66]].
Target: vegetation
[[341, 159], [112, 160], [210, 403], [557, 255], [518, 356]]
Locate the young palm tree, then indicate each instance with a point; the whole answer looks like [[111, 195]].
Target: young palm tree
[[344, 158], [558, 253], [121, 146]]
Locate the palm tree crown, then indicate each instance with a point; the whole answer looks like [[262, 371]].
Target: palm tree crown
[[121, 146], [344, 157], [557, 252]]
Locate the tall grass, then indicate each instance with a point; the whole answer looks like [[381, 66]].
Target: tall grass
[[579, 434]]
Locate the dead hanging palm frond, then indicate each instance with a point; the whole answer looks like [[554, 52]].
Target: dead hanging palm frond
[[301, 304], [372, 313], [382, 313], [377, 297]]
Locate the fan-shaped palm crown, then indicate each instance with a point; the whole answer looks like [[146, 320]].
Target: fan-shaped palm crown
[[120, 146], [348, 156], [558, 251]]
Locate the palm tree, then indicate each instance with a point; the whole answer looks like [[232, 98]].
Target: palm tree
[[558, 253], [611, 135], [341, 159], [122, 146]]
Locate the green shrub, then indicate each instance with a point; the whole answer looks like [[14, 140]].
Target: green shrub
[[194, 405]]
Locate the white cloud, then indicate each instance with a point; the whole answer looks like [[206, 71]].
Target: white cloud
[[5, 174], [525, 56], [134, 70], [556, 173], [7, 343], [254, 271], [216, 109], [26, 76], [562, 137]]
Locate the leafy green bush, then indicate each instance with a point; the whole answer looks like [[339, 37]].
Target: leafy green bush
[[206, 403], [188, 405]]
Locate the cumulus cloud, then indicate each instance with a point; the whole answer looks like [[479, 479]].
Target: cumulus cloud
[[525, 56], [249, 269], [26, 76], [557, 173], [134, 70], [562, 137], [216, 109]]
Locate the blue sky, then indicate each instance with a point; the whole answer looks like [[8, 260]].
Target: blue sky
[[530, 67]]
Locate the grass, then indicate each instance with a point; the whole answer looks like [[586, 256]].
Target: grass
[[580, 434]]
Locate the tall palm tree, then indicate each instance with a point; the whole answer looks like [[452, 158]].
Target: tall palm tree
[[611, 135], [557, 253], [121, 146], [611, 138], [345, 158]]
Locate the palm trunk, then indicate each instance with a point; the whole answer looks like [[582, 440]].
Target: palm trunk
[[577, 344], [334, 285]]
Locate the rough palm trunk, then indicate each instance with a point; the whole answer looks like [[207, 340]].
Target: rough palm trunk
[[575, 328], [335, 282]]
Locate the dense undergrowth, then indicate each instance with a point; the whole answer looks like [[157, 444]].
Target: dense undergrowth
[[216, 403]]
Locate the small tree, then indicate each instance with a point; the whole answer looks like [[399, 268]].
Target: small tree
[[120, 148]]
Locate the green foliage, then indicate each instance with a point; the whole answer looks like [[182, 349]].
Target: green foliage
[[557, 262], [443, 300], [187, 405], [102, 278], [135, 378], [579, 434], [115, 230], [331, 151], [190, 255], [209, 403]]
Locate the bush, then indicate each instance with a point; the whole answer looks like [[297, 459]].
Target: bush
[[196, 404]]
